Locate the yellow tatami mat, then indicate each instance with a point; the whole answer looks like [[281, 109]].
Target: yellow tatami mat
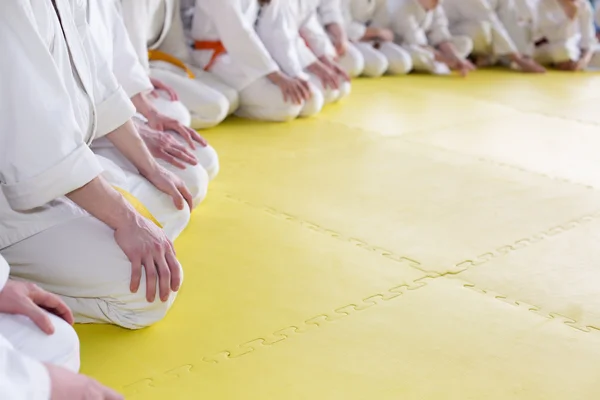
[[427, 238]]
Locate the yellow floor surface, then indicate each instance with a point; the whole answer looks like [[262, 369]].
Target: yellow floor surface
[[428, 238]]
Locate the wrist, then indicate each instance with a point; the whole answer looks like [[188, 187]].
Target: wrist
[[144, 106]]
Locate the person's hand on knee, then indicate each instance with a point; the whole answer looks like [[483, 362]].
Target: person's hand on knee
[[68, 385], [147, 246], [165, 147], [328, 77], [24, 298], [335, 67], [162, 123]]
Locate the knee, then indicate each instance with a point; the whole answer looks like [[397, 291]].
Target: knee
[[62, 347], [196, 179], [353, 62], [210, 114], [209, 160], [173, 109], [401, 63], [314, 105], [134, 312], [344, 90], [376, 65], [233, 99]]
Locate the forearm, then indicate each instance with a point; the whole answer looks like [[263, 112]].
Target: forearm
[[449, 52], [586, 56], [128, 141], [103, 202], [143, 105], [370, 34]]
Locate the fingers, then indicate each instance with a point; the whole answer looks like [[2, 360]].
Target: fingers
[[136, 274], [174, 192], [183, 154], [164, 155], [39, 317], [183, 131], [172, 94], [109, 394], [305, 90], [196, 136], [174, 268], [151, 277], [185, 192], [53, 304], [164, 277]]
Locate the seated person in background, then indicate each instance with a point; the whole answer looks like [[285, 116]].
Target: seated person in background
[[331, 17], [367, 25], [38, 347], [307, 44], [63, 226], [227, 46], [562, 34], [421, 27], [484, 22], [155, 29], [178, 148], [597, 18]]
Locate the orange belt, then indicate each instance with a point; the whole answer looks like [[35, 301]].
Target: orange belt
[[157, 55], [216, 47]]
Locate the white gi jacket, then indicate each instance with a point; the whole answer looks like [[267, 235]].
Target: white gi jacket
[[330, 12], [597, 14], [360, 14], [106, 24], [155, 25], [563, 36], [278, 29], [232, 22], [415, 26], [21, 378], [490, 11], [58, 95]]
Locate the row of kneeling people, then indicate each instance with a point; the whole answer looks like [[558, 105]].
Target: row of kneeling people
[[101, 163]]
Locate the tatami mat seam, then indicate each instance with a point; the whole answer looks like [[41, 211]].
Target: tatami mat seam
[[319, 321]]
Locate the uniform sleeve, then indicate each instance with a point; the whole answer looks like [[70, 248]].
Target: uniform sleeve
[[330, 12], [276, 29], [354, 29], [126, 64], [586, 26], [135, 16], [43, 155], [439, 32], [113, 106], [22, 378], [316, 37], [597, 14], [238, 37]]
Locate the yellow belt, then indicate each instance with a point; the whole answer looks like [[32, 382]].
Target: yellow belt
[[138, 205], [157, 55]]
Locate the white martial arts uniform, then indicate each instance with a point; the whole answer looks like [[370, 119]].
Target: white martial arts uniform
[[485, 22], [58, 95], [379, 57], [597, 13], [109, 32], [242, 60], [23, 349], [330, 12], [308, 37], [554, 38], [418, 29], [156, 25]]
